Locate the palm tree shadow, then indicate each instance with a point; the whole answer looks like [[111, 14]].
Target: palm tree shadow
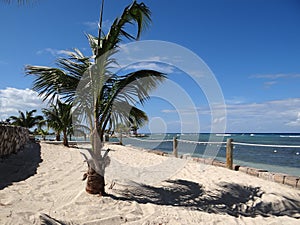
[[20, 166], [229, 198], [175, 193]]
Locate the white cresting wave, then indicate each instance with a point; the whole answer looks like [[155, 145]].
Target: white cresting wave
[[236, 143]]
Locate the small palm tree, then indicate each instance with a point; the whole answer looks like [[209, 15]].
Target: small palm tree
[[41, 132], [26, 120], [105, 99], [5, 122], [59, 118], [137, 121]]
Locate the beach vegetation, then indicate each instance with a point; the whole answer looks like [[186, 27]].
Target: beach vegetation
[[27, 119], [103, 98], [5, 122], [59, 118], [42, 132], [138, 121]]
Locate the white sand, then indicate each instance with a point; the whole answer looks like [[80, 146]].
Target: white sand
[[192, 194]]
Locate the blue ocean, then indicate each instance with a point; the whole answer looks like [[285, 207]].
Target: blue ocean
[[272, 152]]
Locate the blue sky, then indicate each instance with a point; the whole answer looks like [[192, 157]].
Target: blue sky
[[251, 46]]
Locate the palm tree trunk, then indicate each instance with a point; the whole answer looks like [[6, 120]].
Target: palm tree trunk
[[57, 136], [96, 167], [95, 182], [65, 139]]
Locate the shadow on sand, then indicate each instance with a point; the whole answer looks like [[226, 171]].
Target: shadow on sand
[[228, 198], [20, 166]]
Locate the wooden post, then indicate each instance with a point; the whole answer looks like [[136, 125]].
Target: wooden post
[[106, 137], [229, 153], [121, 139], [175, 150]]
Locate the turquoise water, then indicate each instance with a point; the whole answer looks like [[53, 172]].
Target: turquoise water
[[275, 159]]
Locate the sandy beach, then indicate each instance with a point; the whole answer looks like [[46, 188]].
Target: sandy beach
[[42, 184]]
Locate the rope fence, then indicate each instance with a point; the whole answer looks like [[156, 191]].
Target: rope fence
[[229, 146], [180, 140], [282, 178], [263, 145], [149, 140], [201, 142]]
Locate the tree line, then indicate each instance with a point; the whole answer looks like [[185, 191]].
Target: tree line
[[58, 117]]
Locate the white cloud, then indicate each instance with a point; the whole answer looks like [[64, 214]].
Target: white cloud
[[2, 62], [93, 25], [272, 79], [296, 122], [152, 66], [235, 100], [161, 59], [218, 120], [196, 73], [269, 84], [275, 76], [184, 111], [139, 53], [269, 116], [12, 100], [53, 52], [169, 111]]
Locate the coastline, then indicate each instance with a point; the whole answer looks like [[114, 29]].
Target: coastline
[[273, 158], [278, 177], [191, 195]]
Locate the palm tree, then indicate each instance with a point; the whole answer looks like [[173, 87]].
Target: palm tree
[[41, 132], [137, 121], [103, 98], [26, 120], [5, 122], [59, 118]]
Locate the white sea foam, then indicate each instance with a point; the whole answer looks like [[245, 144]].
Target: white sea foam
[[290, 136], [223, 135]]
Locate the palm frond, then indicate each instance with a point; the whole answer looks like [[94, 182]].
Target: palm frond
[[62, 81], [26, 119], [59, 116], [125, 92], [136, 12], [124, 113], [138, 117], [135, 87]]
